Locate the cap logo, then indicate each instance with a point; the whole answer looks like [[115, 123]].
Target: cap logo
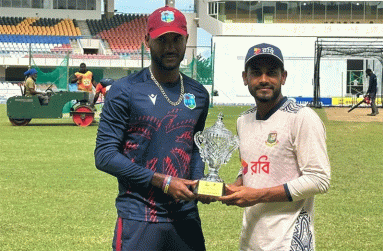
[[269, 50], [167, 16], [264, 50]]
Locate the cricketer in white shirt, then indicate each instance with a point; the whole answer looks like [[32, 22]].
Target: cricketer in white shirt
[[287, 149], [284, 161]]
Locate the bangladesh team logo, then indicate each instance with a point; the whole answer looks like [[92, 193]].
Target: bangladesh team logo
[[189, 101], [272, 139], [167, 16]]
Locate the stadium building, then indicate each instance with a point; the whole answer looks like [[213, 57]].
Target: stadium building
[[327, 45], [55, 36]]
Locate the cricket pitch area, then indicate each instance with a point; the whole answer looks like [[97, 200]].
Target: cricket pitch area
[[356, 115]]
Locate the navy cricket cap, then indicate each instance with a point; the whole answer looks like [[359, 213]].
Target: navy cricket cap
[[30, 72], [264, 50]]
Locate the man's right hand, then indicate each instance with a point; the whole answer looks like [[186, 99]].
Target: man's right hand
[[180, 189]]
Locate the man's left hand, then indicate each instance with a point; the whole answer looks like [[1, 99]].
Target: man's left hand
[[205, 199]]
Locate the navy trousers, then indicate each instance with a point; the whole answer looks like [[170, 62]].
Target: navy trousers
[[181, 235]]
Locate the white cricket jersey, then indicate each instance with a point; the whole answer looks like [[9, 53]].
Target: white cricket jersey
[[286, 148]]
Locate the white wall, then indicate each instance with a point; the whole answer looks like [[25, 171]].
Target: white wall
[[333, 77], [209, 24], [192, 40], [303, 30], [377, 68], [121, 63], [298, 53]]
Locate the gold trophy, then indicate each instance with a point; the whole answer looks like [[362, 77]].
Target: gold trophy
[[215, 144]]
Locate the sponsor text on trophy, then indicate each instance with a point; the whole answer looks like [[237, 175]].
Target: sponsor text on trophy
[[216, 144]]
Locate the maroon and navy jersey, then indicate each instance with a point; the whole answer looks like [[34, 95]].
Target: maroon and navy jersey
[[140, 133]]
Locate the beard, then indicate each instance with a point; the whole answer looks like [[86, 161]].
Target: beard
[[264, 99], [161, 61]]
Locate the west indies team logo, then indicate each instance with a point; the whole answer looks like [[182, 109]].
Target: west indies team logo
[[272, 139], [167, 16], [189, 101]]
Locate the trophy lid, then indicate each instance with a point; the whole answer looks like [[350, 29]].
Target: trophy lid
[[218, 129], [216, 143]]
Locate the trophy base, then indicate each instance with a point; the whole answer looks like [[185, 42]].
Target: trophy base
[[210, 188]]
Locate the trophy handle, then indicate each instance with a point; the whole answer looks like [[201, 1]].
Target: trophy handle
[[232, 149], [198, 139]]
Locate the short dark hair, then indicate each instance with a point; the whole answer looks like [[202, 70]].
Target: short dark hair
[[83, 64], [368, 71], [106, 81]]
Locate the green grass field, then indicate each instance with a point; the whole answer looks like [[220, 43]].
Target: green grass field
[[53, 198]]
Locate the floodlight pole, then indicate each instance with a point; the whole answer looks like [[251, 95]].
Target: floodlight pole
[[381, 84], [30, 55], [67, 71], [342, 90], [316, 99], [212, 57]]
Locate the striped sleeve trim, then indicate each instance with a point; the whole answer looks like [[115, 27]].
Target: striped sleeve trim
[[251, 110], [291, 106], [288, 194]]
